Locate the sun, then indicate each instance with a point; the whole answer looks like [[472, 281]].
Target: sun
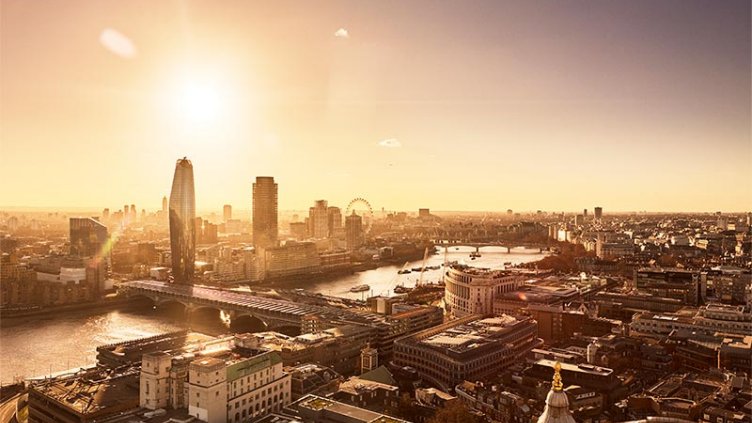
[[199, 101]]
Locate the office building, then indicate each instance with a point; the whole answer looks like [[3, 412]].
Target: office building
[[265, 230], [598, 213], [299, 230], [686, 285], [318, 220], [316, 409], [354, 236], [334, 216], [227, 212], [472, 290], [88, 237], [226, 380], [182, 222], [468, 348], [164, 204], [291, 259], [90, 396]]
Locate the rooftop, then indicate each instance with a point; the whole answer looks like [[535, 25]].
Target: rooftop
[[94, 391], [472, 334]]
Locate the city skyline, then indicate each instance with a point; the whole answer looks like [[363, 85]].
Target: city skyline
[[633, 106]]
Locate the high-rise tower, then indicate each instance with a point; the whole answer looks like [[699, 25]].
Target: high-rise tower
[[264, 212], [182, 221]]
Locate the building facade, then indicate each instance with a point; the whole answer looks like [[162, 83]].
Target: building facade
[[470, 290], [182, 222], [265, 230], [469, 348], [88, 237]]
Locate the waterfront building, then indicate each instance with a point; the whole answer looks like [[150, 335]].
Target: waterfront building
[[182, 222], [299, 230], [88, 237], [318, 220], [265, 231], [94, 395], [354, 236], [472, 290], [334, 216], [335, 261], [292, 259], [226, 213], [468, 348]]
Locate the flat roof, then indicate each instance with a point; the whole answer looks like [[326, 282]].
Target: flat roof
[[579, 368]]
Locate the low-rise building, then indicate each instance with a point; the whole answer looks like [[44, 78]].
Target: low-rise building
[[469, 348], [230, 381]]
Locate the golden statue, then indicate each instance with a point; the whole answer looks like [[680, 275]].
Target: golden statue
[[557, 385]]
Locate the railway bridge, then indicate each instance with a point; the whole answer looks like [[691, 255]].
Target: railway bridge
[[275, 314]]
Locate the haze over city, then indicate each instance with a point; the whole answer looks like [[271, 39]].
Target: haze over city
[[494, 105]]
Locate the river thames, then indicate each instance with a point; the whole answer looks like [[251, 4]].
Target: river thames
[[43, 345]]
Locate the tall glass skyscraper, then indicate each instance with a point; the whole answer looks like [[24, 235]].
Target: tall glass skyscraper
[[182, 222], [265, 212]]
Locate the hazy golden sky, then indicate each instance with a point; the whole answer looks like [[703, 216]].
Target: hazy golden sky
[[480, 105]]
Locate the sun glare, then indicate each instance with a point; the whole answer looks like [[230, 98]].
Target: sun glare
[[199, 101]]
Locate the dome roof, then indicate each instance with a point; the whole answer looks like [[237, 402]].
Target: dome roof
[[557, 403]]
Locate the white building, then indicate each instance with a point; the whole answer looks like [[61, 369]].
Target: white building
[[471, 290], [229, 380]]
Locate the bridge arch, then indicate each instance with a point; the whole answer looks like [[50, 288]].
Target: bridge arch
[[247, 323]]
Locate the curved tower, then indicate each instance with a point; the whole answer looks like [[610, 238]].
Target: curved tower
[[182, 218]]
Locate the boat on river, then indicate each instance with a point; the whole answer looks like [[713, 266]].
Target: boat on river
[[360, 288]]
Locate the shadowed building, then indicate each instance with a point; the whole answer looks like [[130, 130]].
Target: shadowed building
[[87, 237], [264, 212], [182, 222]]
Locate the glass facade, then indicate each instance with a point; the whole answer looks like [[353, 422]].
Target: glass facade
[[265, 212], [182, 218], [87, 237]]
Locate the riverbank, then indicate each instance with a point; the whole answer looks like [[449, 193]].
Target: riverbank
[[16, 315]]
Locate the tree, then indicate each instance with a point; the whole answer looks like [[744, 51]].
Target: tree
[[455, 412]]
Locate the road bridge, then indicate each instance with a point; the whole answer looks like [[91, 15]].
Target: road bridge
[[503, 244]]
